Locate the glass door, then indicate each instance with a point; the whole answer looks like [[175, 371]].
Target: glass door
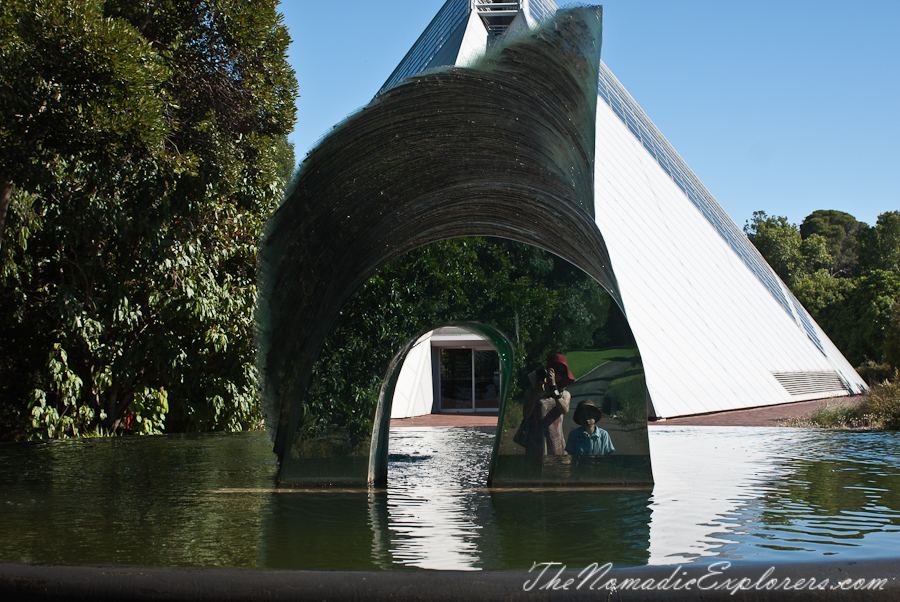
[[469, 380], [456, 380], [486, 376]]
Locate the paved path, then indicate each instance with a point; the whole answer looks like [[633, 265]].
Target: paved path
[[766, 416], [594, 384], [447, 420]]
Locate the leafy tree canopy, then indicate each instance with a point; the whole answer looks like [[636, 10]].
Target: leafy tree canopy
[[75, 84], [855, 298], [780, 243], [858, 319], [879, 246], [142, 148], [542, 302], [839, 231]]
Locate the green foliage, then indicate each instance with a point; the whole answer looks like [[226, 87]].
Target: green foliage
[[883, 402], [285, 160], [879, 246], [873, 301], [854, 297], [878, 410], [75, 83], [780, 243], [839, 231], [542, 302], [814, 255], [631, 395], [616, 332], [836, 415], [583, 361], [859, 314], [143, 176], [820, 290], [891, 344], [873, 372]]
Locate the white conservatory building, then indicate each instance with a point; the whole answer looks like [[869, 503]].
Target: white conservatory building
[[716, 328]]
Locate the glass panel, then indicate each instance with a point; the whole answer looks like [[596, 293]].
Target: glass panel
[[487, 380], [456, 379], [527, 303], [586, 423]]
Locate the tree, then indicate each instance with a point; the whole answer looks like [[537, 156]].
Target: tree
[[858, 319], [855, 311], [74, 85], [128, 289], [879, 246], [821, 290], [839, 231], [814, 256], [892, 340], [544, 303], [780, 243]]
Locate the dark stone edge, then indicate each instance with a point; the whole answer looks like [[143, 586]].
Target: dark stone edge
[[23, 581]]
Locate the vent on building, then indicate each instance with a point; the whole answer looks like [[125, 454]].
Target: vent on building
[[808, 383]]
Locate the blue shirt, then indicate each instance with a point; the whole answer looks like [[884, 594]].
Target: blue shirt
[[582, 443]]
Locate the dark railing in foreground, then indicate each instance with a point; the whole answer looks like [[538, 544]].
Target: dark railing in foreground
[[844, 580]]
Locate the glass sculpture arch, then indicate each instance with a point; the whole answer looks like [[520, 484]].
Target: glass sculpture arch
[[378, 456], [503, 148], [535, 142]]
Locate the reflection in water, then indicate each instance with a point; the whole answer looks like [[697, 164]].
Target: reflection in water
[[773, 494], [531, 451], [437, 514], [436, 508], [134, 500], [765, 495], [527, 304], [574, 527]]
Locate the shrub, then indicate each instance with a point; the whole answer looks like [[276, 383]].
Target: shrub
[[631, 393], [883, 401], [836, 414], [873, 372]]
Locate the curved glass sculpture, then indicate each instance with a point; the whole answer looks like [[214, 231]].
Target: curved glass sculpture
[[502, 149]]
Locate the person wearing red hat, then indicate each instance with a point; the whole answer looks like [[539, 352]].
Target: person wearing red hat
[[544, 408]]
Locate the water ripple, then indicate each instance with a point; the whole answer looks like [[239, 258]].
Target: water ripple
[[721, 493]]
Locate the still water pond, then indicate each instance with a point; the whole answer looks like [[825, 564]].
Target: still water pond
[[757, 494]]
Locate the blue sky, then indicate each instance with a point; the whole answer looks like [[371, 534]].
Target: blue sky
[[782, 106]]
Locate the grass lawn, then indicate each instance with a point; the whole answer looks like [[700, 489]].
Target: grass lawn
[[583, 361]]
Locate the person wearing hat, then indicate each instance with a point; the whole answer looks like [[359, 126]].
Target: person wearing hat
[[544, 408], [589, 439]]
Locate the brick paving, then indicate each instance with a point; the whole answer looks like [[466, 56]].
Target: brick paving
[[765, 416], [447, 420]]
